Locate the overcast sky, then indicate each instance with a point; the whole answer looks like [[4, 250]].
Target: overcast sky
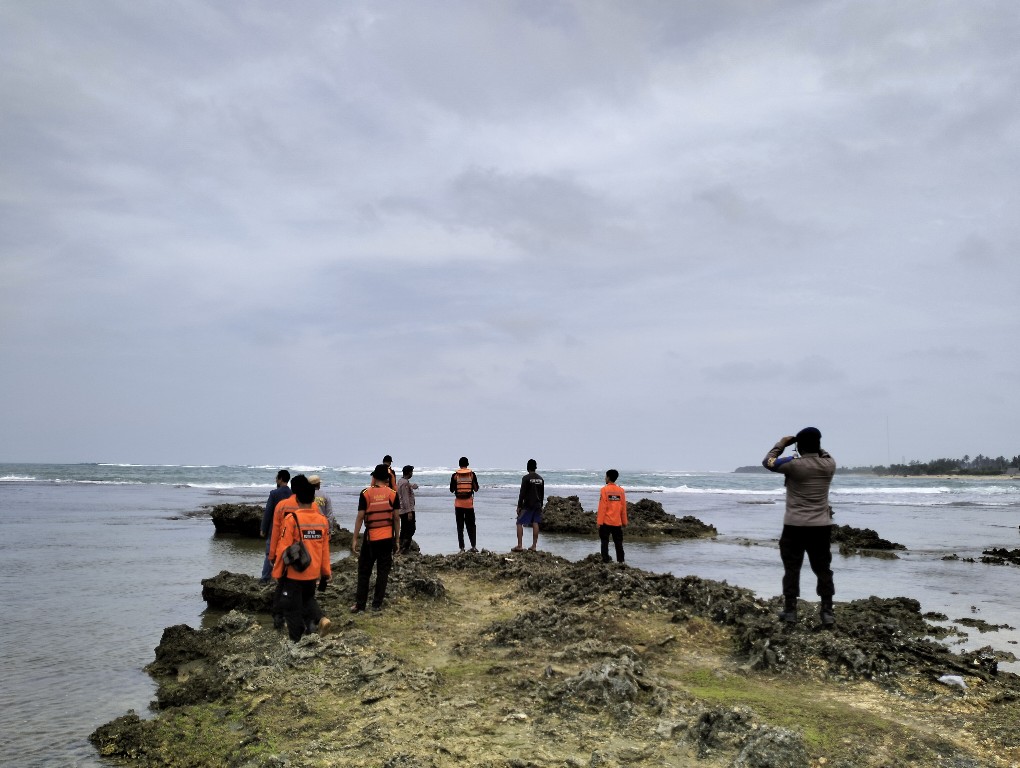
[[652, 235]]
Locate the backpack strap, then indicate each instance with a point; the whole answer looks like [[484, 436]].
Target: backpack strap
[[301, 534]]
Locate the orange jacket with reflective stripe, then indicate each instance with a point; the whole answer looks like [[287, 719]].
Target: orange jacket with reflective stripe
[[612, 506], [314, 532]]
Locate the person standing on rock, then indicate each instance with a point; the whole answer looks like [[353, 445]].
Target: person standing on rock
[[529, 506], [379, 511], [463, 484], [323, 502], [391, 479], [611, 517], [807, 524], [305, 524], [278, 494], [283, 508], [405, 494]]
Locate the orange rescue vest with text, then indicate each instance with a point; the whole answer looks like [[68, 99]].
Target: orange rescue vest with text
[[310, 527], [612, 506]]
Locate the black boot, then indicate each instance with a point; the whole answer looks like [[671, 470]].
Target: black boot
[[789, 612], [827, 616]]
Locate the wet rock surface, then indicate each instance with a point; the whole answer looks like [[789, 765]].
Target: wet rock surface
[[246, 520], [646, 519], [238, 519], [1001, 556], [529, 659], [863, 541]]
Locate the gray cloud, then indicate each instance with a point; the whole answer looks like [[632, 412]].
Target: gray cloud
[[689, 227]]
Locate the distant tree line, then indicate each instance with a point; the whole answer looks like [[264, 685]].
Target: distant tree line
[[979, 465]]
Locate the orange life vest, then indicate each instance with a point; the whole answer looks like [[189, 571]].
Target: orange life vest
[[464, 495], [379, 512]]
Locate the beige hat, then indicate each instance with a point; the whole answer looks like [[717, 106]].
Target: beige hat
[[314, 479]]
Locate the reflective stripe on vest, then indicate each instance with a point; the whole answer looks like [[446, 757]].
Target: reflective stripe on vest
[[465, 484]]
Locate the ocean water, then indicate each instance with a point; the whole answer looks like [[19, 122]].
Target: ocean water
[[101, 557]]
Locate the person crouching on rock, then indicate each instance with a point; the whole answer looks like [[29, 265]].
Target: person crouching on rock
[[306, 525], [807, 524], [379, 510]]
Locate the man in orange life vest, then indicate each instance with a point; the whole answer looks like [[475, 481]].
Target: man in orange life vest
[[463, 484], [612, 516], [379, 510]]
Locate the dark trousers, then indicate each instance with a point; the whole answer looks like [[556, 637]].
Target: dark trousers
[[815, 540], [616, 531], [267, 567], [298, 604], [465, 518], [380, 555], [407, 529]]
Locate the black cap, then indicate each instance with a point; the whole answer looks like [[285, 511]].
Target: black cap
[[381, 472], [809, 440]]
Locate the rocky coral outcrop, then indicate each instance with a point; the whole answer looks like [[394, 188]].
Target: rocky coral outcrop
[[1001, 556], [585, 663], [863, 541], [646, 519], [246, 520], [566, 515], [238, 519]]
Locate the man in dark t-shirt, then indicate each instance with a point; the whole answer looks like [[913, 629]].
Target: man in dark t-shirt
[[529, 506]]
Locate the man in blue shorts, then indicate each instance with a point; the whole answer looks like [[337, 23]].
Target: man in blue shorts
[[529, 506]]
